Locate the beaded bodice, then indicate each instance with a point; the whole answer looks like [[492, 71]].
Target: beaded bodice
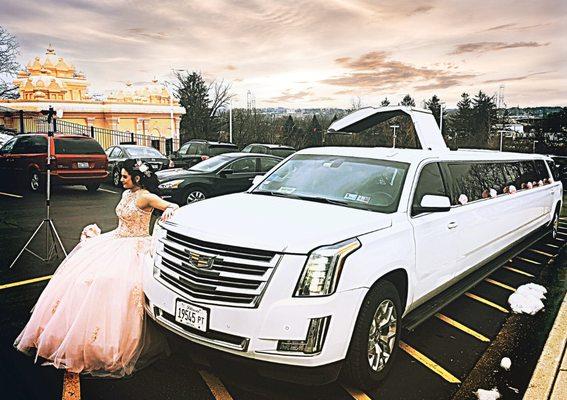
[[132, 221]]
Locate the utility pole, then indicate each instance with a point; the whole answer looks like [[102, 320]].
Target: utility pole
[[394, 127], [230, 121]]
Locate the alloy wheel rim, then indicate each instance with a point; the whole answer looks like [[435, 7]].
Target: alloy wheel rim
[[382, 335], [555, 225], [194, 196], [34, 182]]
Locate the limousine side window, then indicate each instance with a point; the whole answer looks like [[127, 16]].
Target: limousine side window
[[430, 182], [467, 179], [541, 170]]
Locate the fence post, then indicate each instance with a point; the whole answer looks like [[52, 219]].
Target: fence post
[[22, 129], [132, 137], [54, 125], [92, 132]]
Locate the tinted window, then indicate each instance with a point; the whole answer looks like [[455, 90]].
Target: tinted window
[[196, 149], [244, 165], [212, 164], [216, 150], [466, 179], [109, 151], [30, 145], [247, 149], [267, 164], [74, 145], [529, 173], [183, 149], [283, 153], [430, 182], [555, 173], [260, 150], [541, 170]]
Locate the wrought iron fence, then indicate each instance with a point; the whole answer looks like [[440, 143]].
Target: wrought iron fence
[[106, 137]]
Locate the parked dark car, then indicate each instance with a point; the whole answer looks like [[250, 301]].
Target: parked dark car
[[278, 150], [227, 173], [195, 151], [76, 160], [118, 154]]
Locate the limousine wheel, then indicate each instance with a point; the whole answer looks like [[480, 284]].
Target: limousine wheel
[[116, 178], [34, 181], [374, 342], [196, 194]]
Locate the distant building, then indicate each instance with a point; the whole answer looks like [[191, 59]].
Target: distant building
[[144, 109]]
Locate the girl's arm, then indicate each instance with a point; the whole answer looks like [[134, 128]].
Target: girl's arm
[[148, 200]]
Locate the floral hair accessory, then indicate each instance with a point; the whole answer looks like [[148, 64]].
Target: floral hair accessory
[[143, 168]]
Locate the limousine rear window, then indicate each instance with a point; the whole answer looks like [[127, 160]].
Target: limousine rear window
[[370, 184]]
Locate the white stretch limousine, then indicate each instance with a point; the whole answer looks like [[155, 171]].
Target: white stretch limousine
[[329, 254]]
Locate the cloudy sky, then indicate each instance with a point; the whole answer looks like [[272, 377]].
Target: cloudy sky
[[319, 53]]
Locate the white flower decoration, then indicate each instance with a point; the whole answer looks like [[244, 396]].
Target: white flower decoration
[[143, 168]]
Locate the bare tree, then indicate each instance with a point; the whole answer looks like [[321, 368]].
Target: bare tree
[[355, 103], [219, 95], [9, 50]]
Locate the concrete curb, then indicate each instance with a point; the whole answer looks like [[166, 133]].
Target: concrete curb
[[549, 380]]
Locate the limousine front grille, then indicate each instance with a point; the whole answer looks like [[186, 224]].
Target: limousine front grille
[[213, 273]]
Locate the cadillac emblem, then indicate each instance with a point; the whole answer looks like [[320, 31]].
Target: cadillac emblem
[[200, 261]]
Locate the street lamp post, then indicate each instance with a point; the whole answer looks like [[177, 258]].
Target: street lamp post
[[230, 121], [441, 117], [533, 149], [394, 127]]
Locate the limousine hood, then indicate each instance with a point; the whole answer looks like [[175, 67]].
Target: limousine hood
[[274, 223]]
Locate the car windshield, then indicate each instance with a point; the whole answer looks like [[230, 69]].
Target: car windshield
[[143, 152], [355, 182], [283, 153], [212, 164]]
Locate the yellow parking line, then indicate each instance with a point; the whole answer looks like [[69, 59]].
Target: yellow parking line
[[355, 393], [462, 327], [17, 196], [528, 260], [487, 302], [542, 253], [519, 271], [502, 285], [71, 387], [552, 245], [429, 363], [215, 386], [26, 282]]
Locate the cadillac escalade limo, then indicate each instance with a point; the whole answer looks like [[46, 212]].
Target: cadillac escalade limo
[[323, 261]]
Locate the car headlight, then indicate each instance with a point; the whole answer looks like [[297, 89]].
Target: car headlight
[[159, 233], [323, 268], [171, 184]]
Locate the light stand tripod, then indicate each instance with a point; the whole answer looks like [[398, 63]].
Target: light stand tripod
[[51, 236]]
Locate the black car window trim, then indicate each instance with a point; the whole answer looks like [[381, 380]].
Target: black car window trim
[[229, 165]]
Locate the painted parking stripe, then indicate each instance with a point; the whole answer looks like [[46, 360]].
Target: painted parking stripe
[[17, 196], [71, 387], [429, 363], [215, 386], [528, 260], [462, 327], [356, 393], [518, 271], [107, 191], [552, 245], [487, 302], [502, 285], [26, 282], [562, 234], [542, 253]]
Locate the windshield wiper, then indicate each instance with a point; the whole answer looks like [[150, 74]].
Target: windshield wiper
[[278, 194], [324, 200]]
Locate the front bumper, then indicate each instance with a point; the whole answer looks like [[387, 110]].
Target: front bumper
[[254, 332]]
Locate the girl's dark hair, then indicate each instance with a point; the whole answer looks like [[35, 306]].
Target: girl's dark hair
[[148, 179]]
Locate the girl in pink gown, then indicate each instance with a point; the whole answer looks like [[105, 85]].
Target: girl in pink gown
[[90, 317]]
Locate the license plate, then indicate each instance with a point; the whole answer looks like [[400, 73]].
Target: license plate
[[82, 165], [156, 166], [190, 315]]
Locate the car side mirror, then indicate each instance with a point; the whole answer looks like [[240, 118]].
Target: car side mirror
[[433, 203], [257, 179]]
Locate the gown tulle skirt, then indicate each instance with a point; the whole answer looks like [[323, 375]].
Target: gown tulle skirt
[[90, 317]]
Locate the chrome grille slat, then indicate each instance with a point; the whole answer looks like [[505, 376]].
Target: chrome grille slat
[[213, 273]]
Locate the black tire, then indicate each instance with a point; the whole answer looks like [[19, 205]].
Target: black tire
[[116, 177], [554, 224], [92, 187], [357, 370], [194, 194], [34, 181]]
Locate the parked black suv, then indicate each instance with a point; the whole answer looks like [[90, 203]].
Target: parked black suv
[[278, 150], [195, 151], [227, 173]]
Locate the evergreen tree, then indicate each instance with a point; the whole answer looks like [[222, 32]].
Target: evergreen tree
[[289, 126], [385, 102], [407, 101], [483, 116], [316, 132], [434, 104], [462, 120], [193, 94]]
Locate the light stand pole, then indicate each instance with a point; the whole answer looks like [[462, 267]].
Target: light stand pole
[[230, 122], [51, 236], [394, 127], [533, 149]]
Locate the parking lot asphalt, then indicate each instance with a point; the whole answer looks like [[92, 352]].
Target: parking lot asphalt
[[450, 355]]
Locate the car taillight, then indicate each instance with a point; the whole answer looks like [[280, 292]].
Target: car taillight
[[203, 158]]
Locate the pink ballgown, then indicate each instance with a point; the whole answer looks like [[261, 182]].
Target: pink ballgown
[[90, 317]]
